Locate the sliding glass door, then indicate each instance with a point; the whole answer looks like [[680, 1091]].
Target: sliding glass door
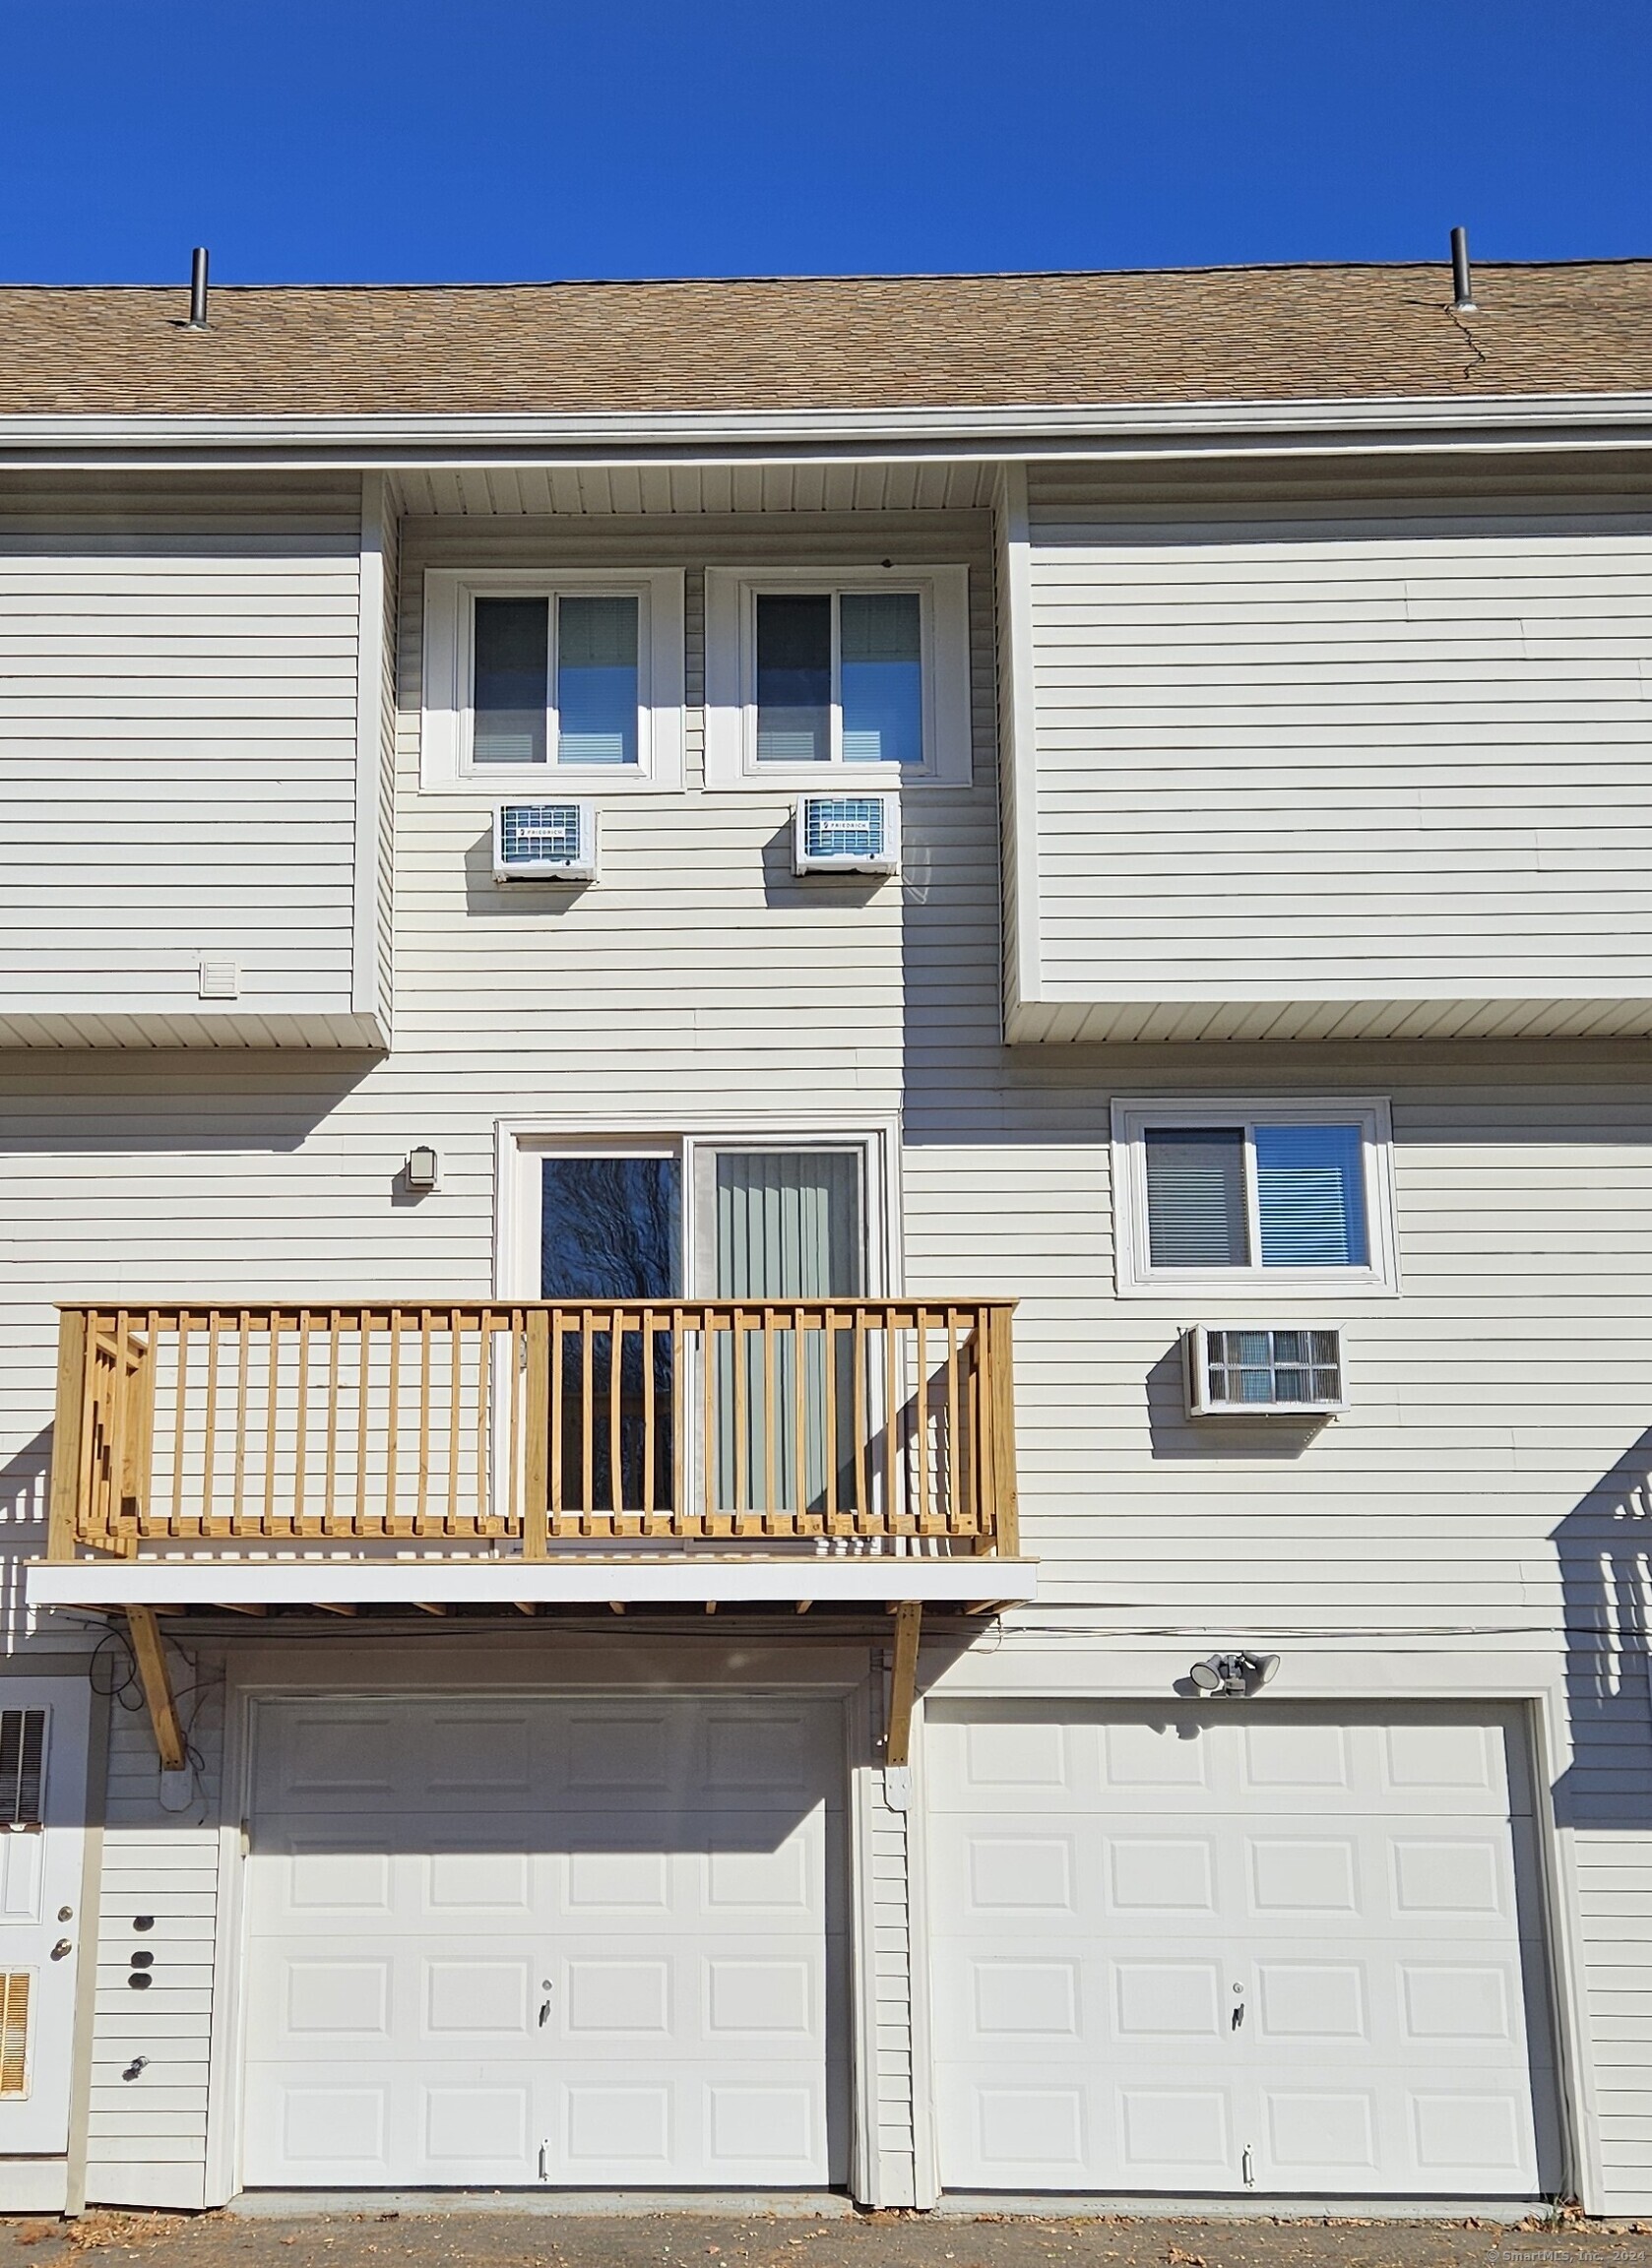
[[757, 1412]]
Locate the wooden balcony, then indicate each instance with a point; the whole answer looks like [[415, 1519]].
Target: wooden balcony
[[535, 1432]]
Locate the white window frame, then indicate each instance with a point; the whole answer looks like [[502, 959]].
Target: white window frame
[[522, 1145], [732, 594], [449, 718], [1135, 1274]]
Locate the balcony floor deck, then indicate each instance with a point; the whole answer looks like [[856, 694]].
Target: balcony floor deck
[[872, 1579]]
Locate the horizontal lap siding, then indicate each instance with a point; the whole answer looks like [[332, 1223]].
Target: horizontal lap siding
[[178, 747], [700, 973], [1398, 757], [146, 2135], [1487, 1487]]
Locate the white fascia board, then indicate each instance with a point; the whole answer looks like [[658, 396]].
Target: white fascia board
[[677, 1581], [1104, 429]]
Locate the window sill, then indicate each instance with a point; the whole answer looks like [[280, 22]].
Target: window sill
[[1291, 1288], [830, 780], [549, 783]]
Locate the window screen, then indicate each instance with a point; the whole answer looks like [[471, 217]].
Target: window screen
[[597, 681], [881, 666], [1195, 1197], [22, 1741]]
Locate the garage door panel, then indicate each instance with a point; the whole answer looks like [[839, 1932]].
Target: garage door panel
[[639, 1978], [731, 1869], [1018, 1758], [1298, 1946], [1022, 2127]]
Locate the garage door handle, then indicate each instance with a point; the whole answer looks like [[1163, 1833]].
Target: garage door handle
[[544, 2012], [1238, 2017]]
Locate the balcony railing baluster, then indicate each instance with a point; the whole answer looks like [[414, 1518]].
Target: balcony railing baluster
[[854, 1424]]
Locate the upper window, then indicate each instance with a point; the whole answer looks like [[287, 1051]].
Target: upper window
[[865, 672], [1239, 1197], [526, 678]]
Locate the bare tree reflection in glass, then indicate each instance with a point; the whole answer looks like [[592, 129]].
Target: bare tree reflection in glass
[[611, 1229]]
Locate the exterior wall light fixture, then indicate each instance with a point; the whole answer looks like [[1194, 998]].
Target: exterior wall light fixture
[[1224, 1675], [423, 1169]]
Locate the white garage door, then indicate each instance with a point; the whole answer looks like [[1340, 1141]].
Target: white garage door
[[500, 1942], [1239, 1947]]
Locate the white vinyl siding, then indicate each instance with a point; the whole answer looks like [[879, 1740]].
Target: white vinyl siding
[[1337, 776], [147, 2136], [1493, 1461], [180, 759]]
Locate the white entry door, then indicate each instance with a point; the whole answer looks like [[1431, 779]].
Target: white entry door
[[44, 1727], [1236, 1947], [513, 1941]]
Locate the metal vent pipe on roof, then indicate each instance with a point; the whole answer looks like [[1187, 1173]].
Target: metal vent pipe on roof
[[1462, 277], [198, 289]]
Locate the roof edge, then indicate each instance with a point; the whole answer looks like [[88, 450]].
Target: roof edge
[[1009, 430]]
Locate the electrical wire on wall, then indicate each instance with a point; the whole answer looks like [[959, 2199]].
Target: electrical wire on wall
[[112, 1672]]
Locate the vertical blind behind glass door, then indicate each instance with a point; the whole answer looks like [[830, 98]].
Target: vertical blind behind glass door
[[789, 1227]]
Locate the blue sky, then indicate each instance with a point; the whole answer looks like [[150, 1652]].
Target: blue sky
[[481, 140]]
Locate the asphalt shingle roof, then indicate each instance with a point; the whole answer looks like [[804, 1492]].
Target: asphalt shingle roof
[[850, 343]]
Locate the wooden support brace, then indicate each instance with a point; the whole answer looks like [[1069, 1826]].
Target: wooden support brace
[[903, 1684], [151, 1657]]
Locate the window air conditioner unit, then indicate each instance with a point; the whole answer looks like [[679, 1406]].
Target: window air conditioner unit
[[544, 842], [1265, 1371], [848, 834]]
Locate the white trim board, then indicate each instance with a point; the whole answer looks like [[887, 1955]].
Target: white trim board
[[1003, 424], [676, 1579]]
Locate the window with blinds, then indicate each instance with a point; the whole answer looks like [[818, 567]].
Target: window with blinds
[[22, 1742], [555, 681], [1292, 1193]]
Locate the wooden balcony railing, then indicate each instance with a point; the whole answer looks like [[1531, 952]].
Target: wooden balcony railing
[[887, 1425]]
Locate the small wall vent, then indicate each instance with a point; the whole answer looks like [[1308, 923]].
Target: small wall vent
[[544, 842], [847, 834]]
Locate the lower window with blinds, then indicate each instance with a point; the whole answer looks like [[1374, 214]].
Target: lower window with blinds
[[1243, 1195]]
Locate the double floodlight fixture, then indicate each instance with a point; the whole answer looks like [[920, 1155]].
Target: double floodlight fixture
[[1223, 1675]]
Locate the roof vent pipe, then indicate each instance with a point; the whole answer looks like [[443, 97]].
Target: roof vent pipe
[[198, 289], [1462, 279]]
